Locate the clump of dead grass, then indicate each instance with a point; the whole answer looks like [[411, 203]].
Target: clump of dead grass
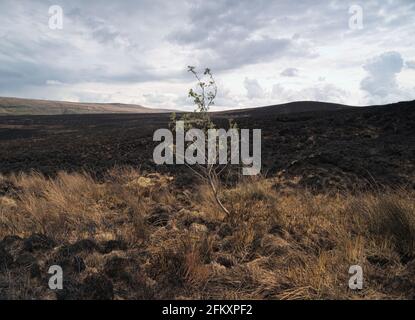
[[389, 217]]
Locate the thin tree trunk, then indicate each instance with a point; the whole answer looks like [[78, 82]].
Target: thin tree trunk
[[215, 194]]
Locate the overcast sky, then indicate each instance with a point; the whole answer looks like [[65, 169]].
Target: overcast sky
[[262, 52]]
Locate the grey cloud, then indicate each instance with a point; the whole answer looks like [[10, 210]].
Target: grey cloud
[[109, 42], [234, 54], [228, 33], [253, 89], [290, 72], [212, 22], [382, 71], [94, 46], [98, 28]]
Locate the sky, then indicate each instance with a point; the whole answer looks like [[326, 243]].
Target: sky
[[261, 52]]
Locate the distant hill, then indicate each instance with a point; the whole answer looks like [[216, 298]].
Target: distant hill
[[292, 107], [17, 106]]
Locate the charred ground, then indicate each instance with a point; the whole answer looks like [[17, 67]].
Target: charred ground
[[318, 146]]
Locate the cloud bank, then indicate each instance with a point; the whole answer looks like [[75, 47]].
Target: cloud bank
[[262, 52]]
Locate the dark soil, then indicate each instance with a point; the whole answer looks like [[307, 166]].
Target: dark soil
[[339, 149]]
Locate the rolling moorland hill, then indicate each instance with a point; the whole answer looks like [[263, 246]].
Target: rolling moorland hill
[[293, 107], [16, 106]]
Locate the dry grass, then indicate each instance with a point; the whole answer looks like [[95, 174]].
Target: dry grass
[[178, 244]]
